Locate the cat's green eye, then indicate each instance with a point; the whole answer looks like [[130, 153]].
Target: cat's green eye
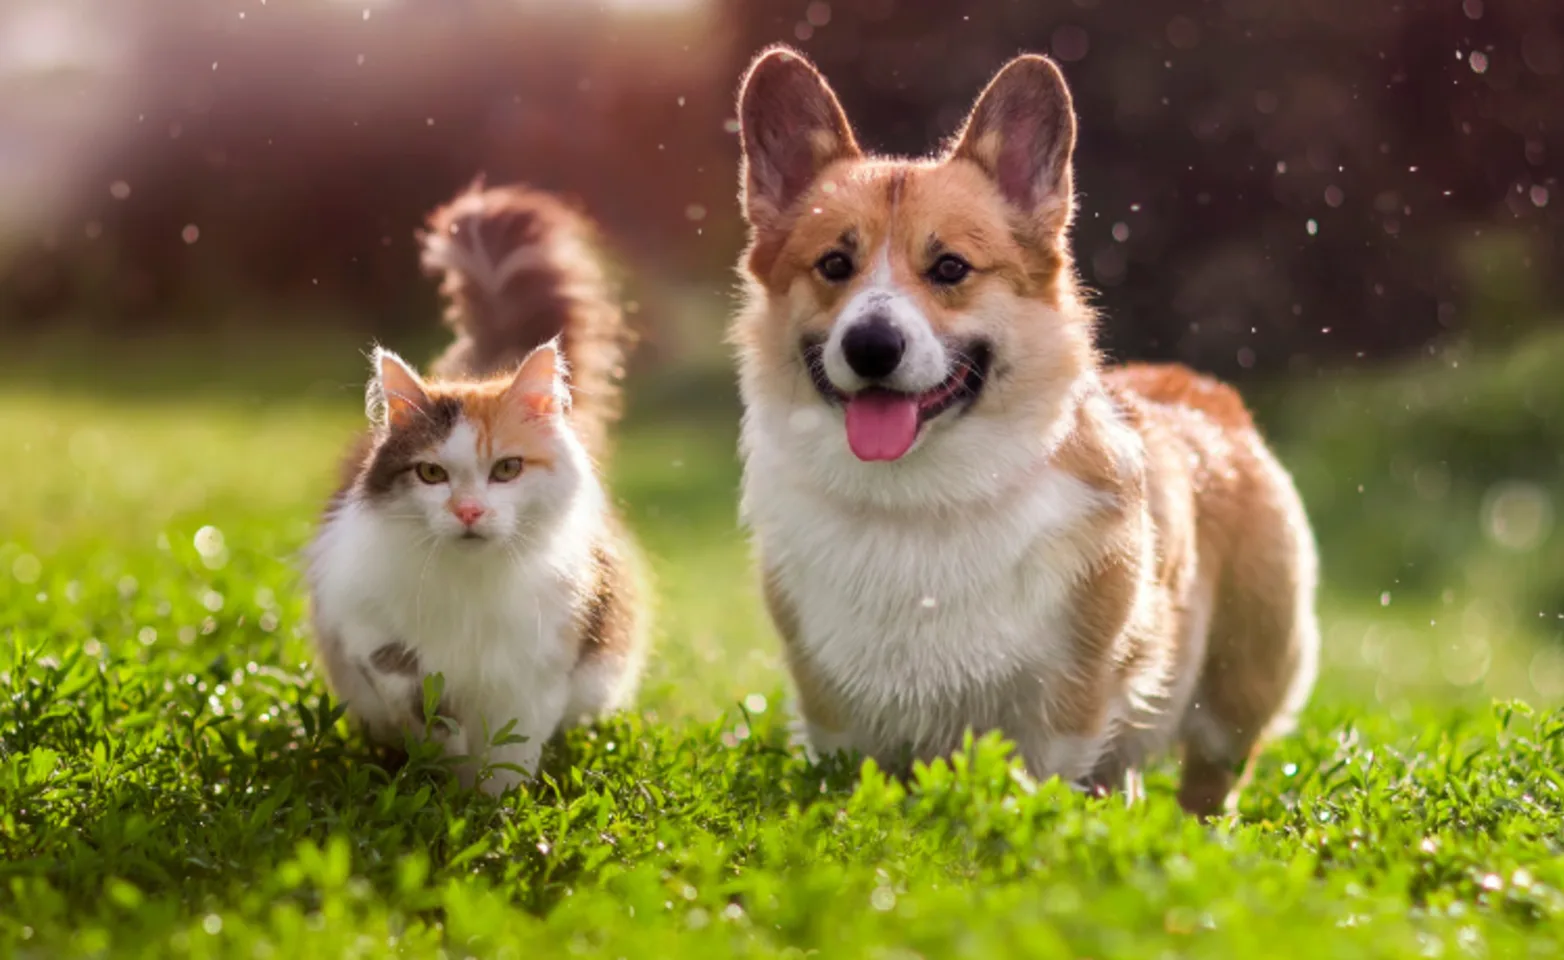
[[506, 470], [431, 473]]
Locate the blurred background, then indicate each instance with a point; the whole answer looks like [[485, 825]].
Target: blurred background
[[1351, 207]]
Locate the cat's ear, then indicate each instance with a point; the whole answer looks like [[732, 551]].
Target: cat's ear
[[538, 386], [396, 393]]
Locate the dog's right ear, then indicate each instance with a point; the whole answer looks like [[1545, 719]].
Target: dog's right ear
[[790, 127]]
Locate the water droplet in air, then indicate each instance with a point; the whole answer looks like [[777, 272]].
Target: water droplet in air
[[26, 568], [1518, 515], [209, 541], [1070, 43]]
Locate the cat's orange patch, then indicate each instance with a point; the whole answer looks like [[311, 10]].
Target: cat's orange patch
[[508, 423]]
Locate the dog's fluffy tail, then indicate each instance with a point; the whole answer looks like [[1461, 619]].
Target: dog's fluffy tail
[[519, 268]]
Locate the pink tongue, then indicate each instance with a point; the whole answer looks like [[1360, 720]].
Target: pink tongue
[[881, 425]]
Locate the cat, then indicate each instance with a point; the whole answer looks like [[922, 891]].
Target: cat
[[471, 537]]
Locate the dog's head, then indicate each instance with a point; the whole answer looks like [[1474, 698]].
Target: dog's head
[[919, 299]]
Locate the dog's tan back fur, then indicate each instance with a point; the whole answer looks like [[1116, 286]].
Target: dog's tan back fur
[[1178, 549]]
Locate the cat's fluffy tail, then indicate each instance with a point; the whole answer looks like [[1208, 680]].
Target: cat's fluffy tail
[[519, 268]]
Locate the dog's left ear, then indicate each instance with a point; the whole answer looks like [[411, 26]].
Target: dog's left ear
[[1022, 133]]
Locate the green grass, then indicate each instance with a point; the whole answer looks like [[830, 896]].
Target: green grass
[[174, 780]]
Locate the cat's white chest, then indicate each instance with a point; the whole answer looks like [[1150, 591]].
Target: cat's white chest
[[494, 639], [496, 629]]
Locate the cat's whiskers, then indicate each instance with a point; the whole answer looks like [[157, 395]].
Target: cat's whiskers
[[435, 543]]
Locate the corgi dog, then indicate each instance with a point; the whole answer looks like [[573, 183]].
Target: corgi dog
[[965, 520], [472, 537]]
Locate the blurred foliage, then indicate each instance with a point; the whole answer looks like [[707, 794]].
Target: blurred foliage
[[278, 159], [1266, 186], [1440, 478]]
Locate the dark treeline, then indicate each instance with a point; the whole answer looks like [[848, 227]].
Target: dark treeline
[[278, 165], [1382, 169], [1266, 185]]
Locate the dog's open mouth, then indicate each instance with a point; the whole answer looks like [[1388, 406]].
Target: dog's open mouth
[[884, 424]]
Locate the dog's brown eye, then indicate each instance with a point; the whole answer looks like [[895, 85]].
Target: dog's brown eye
[[506, 470], [835, 266], [430, 472], [949, 270]]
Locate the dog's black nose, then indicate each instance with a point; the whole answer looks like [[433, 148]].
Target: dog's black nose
[[873, 348]]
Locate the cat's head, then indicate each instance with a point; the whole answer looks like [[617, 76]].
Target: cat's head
[[480, 462]]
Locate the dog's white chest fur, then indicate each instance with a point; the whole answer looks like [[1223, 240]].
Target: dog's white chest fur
[[921, 625]]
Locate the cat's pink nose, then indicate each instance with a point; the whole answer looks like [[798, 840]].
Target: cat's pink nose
[[467, 511]]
